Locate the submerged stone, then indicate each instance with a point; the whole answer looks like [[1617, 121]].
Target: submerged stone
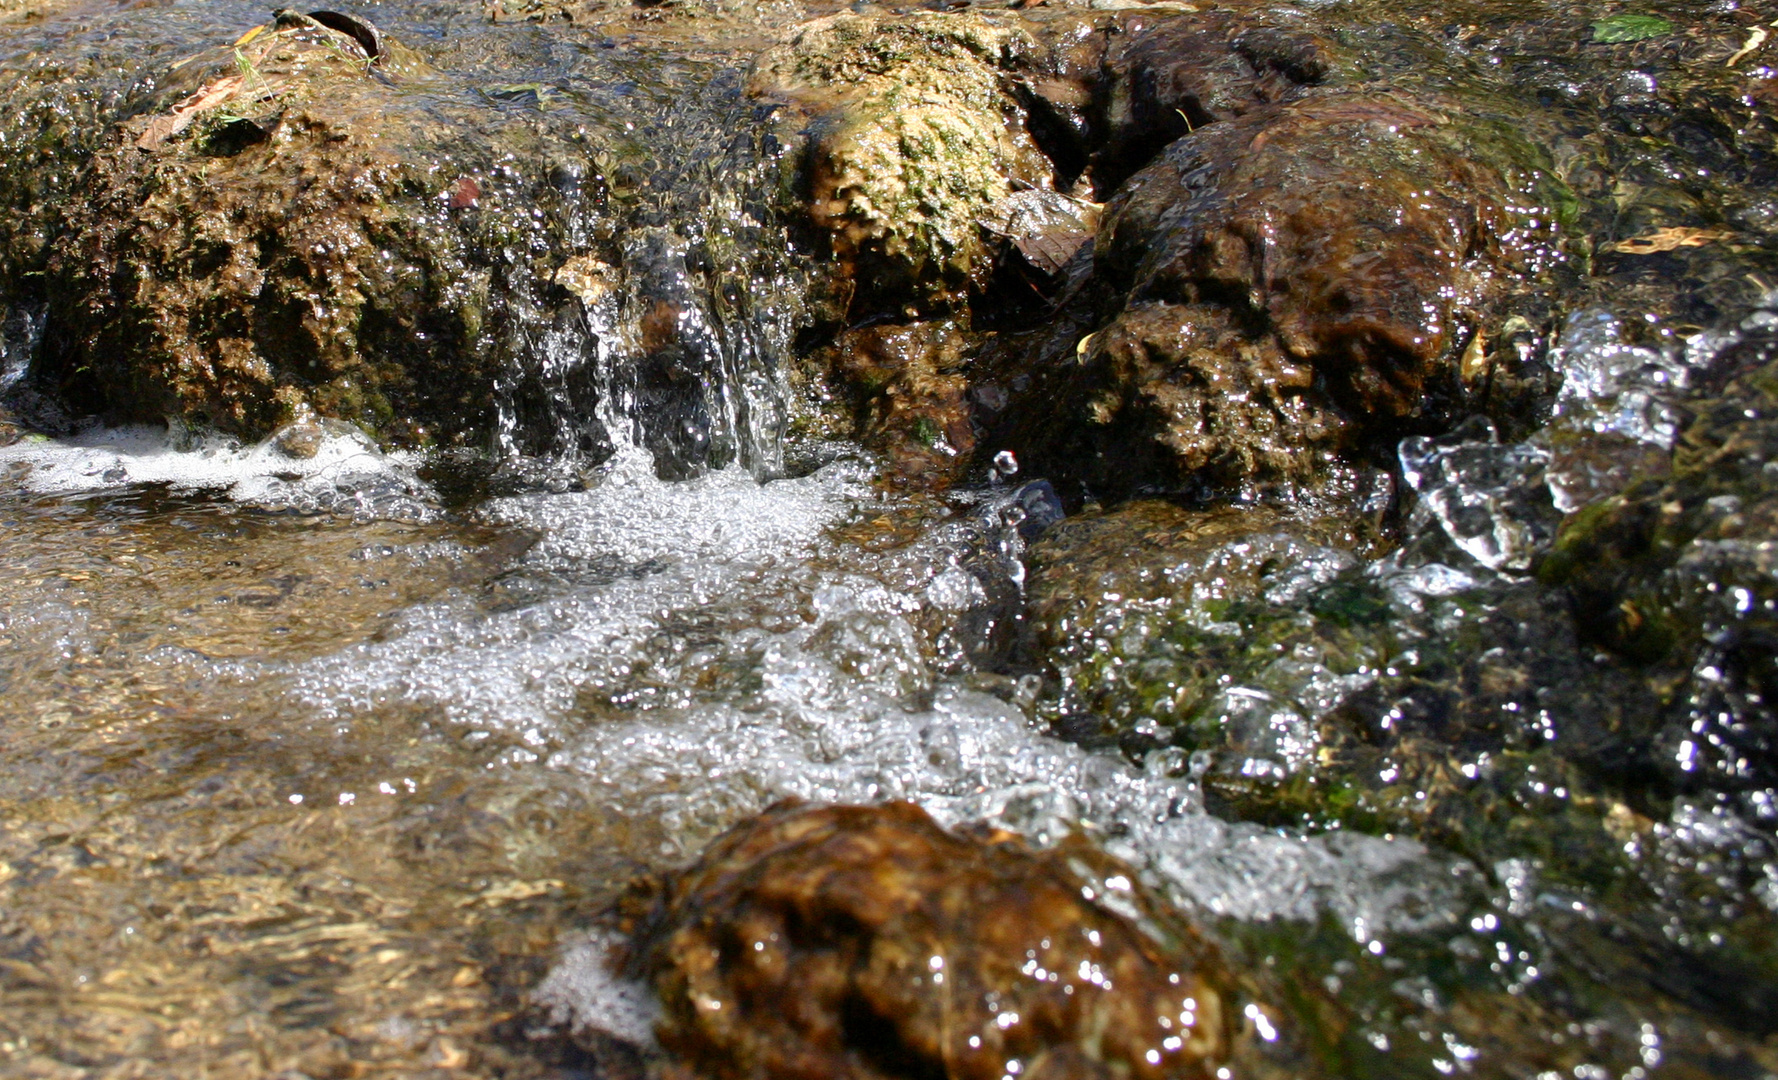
[[1676, 571], [869, 942]]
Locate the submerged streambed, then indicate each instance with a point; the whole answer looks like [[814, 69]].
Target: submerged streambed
[[448, 482]]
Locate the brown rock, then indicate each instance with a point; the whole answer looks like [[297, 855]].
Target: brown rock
[[1204, 400], [1176, 75], [907, 393], [1349, 224], [304, 271], [864, 942], [1278, 290]]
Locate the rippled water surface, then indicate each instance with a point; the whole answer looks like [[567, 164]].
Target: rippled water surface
[[291, 791]]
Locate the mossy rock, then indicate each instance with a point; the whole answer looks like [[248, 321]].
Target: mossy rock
[[286, 229], [911, 134]]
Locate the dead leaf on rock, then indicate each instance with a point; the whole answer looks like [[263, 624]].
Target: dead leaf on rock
[[1046, 227], [1668, 240], [202, 100], [359, 29], [1755, 38]]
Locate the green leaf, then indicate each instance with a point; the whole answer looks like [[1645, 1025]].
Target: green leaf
[[1631, 28]]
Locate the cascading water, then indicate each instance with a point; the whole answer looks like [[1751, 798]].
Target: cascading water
[[679, 347]]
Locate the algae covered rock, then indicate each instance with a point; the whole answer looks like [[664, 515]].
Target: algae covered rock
[[1186, 628], [913, 135], [289, 229], [1309, 685], [869, 942]]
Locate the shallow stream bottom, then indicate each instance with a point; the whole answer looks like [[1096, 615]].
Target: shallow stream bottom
[[301, 795]]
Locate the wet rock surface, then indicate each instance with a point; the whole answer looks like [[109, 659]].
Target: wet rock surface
[[240, 234], [1166, 77], [1282, 288], [869, 942], [907, 393], [1674, 571], [1586, 719]]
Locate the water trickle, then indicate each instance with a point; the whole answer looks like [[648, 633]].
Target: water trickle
[[678, 346], [1489, 498], [21, 329]]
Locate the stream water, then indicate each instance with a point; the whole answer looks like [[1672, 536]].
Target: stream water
[[327, 766]]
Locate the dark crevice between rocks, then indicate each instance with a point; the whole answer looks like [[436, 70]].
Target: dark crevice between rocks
[[873, 1037]]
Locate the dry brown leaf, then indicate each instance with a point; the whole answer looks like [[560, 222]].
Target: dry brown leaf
[[1047, 227], [203, 99], [1668, 240]]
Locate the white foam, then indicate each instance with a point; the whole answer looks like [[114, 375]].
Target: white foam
[[346, 474], [648, 551], [583, 994], [818, 675], [694, 651]]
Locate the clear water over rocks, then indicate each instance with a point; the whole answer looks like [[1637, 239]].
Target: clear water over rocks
[[464, 466]]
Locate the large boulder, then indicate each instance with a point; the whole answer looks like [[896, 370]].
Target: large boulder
[[865, 942], [1281, 289], [288, 229], [242, 231]]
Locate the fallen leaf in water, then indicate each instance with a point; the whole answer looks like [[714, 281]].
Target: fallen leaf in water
[[509, 891], [1630, 28], [202, 100], [1668, 240], [1755, 38], [1473, 367]]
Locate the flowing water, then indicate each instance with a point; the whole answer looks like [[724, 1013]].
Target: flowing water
[[327, 765]]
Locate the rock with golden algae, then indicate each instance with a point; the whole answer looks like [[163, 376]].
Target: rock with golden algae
[[866, 942], [911, 137]]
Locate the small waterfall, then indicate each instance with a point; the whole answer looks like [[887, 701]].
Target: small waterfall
[[676, 346], [21, 328]]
